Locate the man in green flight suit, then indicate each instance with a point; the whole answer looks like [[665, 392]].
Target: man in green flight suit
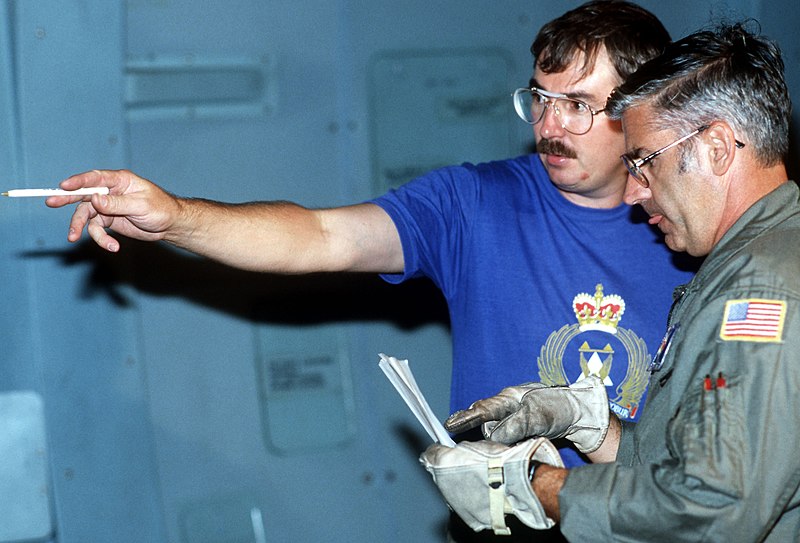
[[714, 456]]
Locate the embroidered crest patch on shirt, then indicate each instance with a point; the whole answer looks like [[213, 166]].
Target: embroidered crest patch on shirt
[[753, 320]]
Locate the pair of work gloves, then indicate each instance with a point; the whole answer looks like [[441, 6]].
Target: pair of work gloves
[[483, 481]]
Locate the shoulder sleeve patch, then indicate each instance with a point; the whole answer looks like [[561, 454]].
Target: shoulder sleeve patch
[[753, 319]]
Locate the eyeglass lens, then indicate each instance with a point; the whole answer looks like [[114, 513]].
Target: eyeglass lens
[[635, 171], [575, 116]]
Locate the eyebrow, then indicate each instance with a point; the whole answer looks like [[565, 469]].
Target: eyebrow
[[638, 152], [579, 95]]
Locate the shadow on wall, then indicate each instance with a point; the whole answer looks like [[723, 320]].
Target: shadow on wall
[[159, 270]]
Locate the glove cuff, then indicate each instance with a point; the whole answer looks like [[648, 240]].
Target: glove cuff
[[589, 432], [523, 502], [484, 481]]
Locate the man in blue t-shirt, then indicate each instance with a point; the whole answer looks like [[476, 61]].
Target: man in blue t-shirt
[[548, 276]]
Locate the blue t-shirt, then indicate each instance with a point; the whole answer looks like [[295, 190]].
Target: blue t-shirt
[[538, 288]]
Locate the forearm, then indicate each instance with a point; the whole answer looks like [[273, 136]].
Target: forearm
[[275, 237], [283, 237]]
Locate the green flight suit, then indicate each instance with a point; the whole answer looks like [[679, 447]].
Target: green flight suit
[[716, 454]]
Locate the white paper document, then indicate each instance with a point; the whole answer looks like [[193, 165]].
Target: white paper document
[[399, 373]]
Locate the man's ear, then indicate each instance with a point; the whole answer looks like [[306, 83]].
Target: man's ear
[[723, 146]]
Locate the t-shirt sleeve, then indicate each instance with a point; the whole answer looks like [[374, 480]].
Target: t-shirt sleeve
[[431, 214]]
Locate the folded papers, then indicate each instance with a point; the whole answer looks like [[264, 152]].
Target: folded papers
[[399, 373]]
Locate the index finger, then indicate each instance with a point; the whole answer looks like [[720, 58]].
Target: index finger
[[92, 178], [86, 180]]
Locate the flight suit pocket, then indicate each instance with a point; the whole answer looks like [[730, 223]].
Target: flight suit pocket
[[709, 436]]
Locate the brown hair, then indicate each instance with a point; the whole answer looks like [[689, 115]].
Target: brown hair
[[630, 34]]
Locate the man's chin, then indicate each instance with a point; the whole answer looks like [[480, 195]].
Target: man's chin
[[565, 176], [673, 243]]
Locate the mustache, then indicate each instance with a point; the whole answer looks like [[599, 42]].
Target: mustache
[[554, 147]]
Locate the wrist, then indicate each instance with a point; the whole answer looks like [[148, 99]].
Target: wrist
[[546, 483]]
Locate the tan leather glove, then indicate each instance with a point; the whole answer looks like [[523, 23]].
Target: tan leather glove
[[579, 412]]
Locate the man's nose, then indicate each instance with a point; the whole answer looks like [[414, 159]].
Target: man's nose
[[635, 193], [551, 122]]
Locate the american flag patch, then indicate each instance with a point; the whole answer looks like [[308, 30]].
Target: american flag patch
[[753, 320]]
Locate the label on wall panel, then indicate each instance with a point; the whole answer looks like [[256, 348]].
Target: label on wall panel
[[305, 388]]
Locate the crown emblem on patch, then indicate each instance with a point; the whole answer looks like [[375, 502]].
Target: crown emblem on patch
[[598, 312]]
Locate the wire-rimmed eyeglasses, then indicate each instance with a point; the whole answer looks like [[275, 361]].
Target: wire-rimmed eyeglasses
[[576, 116], [634, 165]]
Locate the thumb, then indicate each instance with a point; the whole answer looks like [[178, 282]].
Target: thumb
[[106, 204], [486, 410], [489, 409], [464, 420]]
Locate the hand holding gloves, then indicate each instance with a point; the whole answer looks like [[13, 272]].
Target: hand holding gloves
[[578, 412], [485, 480]]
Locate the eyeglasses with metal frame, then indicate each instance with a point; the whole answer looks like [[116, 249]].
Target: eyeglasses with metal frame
[[634, 165], [576, 116]]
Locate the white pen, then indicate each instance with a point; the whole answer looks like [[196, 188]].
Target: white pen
[[29, 193]]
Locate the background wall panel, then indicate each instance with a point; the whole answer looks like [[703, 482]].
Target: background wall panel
[[188, 402]]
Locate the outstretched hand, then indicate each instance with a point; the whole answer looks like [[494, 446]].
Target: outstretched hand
[[134, 207]]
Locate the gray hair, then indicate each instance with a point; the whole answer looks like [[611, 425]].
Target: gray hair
[[726, 74]]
